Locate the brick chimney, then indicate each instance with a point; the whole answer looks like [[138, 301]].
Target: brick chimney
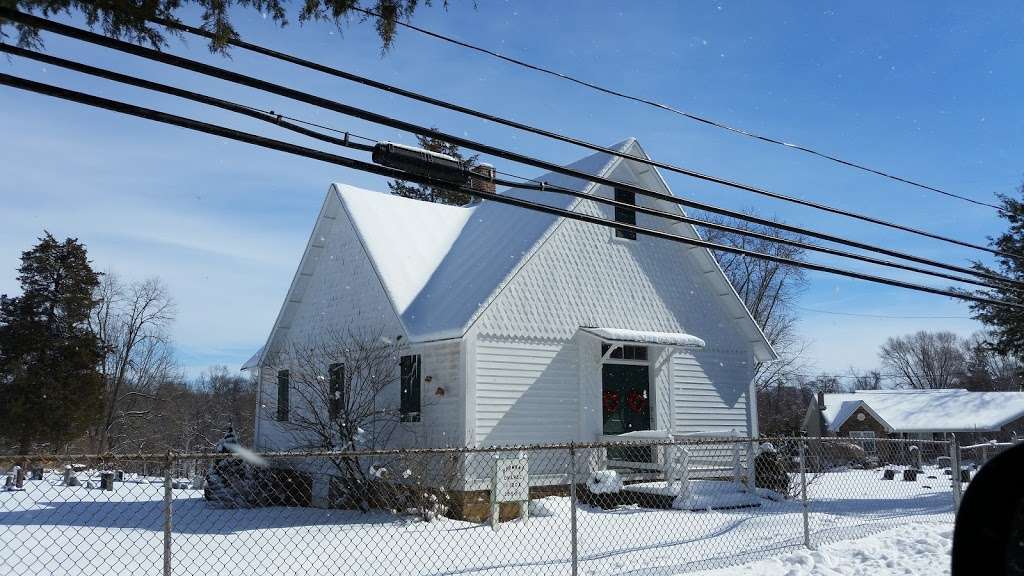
[[483, 181]]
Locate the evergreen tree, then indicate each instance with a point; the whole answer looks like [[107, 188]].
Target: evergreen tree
[[433, 193], [1006, 323], [50, 386], [134, 20], [229, 481]]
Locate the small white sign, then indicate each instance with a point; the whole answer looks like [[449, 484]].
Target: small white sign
[[511, 480]]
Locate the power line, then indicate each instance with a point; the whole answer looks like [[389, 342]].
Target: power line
[[192, 124], [563, 138], [674, 110], [884, 316], [252, 82], [276, 118], [264, 115]]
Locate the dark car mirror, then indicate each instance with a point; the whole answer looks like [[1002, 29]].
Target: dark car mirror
[[989, 534]]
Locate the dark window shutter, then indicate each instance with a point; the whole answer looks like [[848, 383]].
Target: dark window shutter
[[282, 395], [337, 399], [625, 215], [410, 395]]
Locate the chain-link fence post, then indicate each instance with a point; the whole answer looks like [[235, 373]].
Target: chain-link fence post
[[955, 474], [803, 493], [168, 496], [572, 509]]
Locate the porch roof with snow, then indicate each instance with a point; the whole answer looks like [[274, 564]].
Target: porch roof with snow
[[624, 336], [954, 410], [442, 265]]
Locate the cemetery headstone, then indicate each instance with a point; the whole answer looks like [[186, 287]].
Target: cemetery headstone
[[910, 475], [36, 474], [19, 477], [107, 481], [888, 474], [965, 475]]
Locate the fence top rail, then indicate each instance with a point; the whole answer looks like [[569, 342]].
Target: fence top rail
[[166, 457]]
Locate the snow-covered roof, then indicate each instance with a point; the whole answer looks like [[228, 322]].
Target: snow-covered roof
[[645, 337], [953, 410], [254, 360], [441, 265]]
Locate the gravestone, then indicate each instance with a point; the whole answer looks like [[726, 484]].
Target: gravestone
[[119, 475], [889, 474], [107, 481], [36, 474], [965, 475], [19, 477], [910, 475]]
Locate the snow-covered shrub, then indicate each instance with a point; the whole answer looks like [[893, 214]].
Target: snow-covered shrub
[[844, 454], [770, 470], [604, 482], [550, 506]]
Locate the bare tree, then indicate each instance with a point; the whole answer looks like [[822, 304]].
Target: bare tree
[[769, 290], [337, 399], [132, 324], [866, 380], [924, 360]]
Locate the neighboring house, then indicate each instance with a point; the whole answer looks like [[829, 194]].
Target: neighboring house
[[917, 414], [521, 327]]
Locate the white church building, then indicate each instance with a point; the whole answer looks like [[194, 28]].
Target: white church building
[[522, 327]]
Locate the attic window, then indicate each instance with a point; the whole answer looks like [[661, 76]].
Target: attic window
[[625, 215]]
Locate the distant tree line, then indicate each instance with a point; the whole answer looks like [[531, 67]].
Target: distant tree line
[[87, 364]]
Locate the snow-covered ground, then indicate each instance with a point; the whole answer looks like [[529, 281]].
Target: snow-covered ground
[[52, 529], [914, 549]]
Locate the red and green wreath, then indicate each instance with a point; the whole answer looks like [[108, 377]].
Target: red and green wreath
[[610, 401], [636, 400]]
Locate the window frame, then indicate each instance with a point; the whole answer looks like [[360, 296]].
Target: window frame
[[866, 438], [410, 397], [283, 393]]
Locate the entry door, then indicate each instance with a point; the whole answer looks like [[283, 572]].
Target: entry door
[[625, 398]]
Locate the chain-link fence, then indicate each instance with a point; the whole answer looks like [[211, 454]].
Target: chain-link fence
[[652, 507]]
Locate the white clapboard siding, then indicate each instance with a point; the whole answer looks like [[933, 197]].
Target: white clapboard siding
[[710, 392], [525, 392]]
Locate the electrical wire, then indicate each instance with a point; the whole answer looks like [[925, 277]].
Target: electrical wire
[[276, 118], [265, 115], [547, 133], [94, 38], [208, 128], [674, 110], [882, 316], [259, 84]]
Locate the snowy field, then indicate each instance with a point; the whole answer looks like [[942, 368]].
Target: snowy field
[[52, 529], [909, 550]]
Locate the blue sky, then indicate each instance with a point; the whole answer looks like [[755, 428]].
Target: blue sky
[[926, 90]]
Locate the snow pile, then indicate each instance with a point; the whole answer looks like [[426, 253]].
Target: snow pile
[[714, 494], [550, 506], [604, 482], [909, 549]]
